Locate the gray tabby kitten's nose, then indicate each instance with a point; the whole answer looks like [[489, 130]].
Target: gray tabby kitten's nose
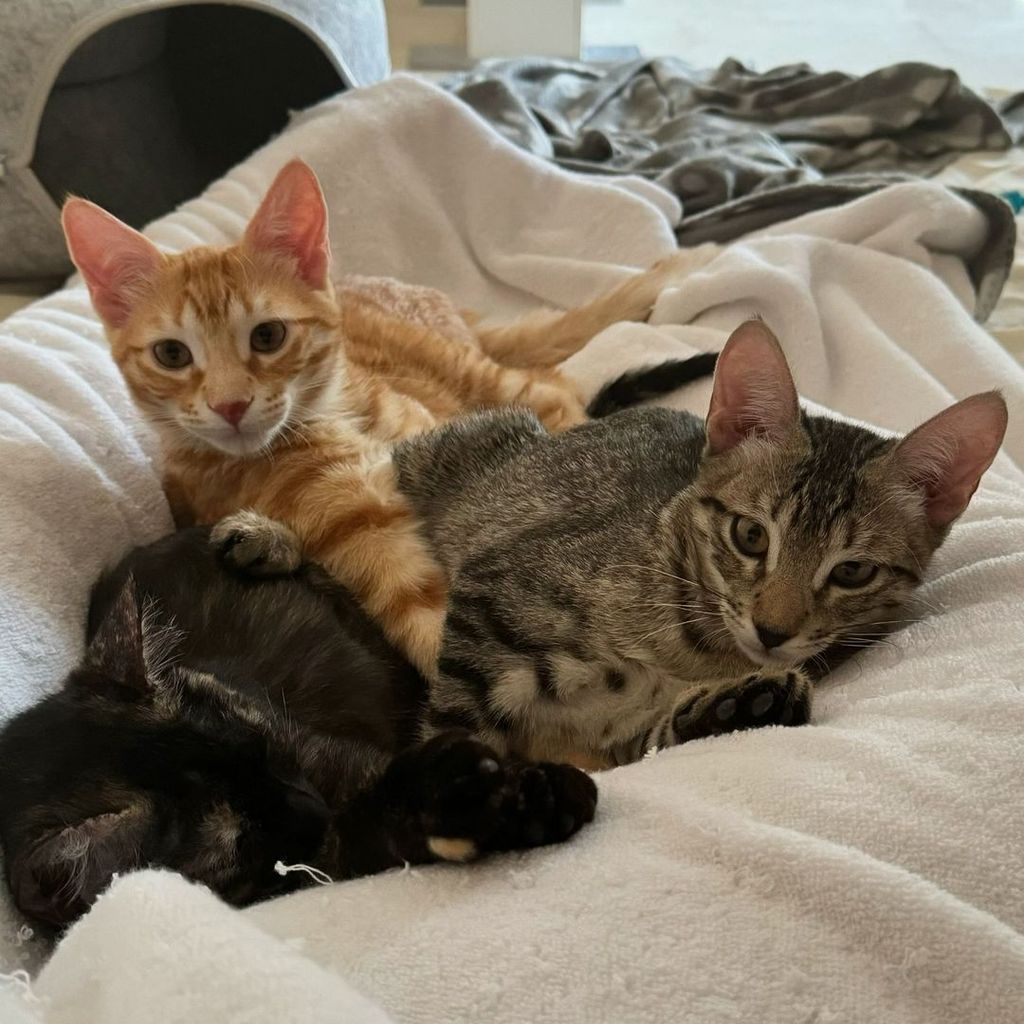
[[771, 637]]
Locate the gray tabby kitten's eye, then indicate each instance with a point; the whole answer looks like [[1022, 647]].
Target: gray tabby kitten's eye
[[853, 574], [268, 336], [175, 355], [749, 536]]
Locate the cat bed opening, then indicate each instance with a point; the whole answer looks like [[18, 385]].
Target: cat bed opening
[[139, 105]]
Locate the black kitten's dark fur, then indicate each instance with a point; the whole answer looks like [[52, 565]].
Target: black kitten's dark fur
[[219, 724], [649, 382]]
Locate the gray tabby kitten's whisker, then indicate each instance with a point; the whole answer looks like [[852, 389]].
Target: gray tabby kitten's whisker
[[707, 641], [920, 597], [668, 604], [818, 663], [910, 553], [888, 499], [874, 640], [689, 606], [887, 622], [651, 568], [669, 625]]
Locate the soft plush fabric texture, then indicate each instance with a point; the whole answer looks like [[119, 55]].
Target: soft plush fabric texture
[[135, 150], [862, 869], [715, 134]]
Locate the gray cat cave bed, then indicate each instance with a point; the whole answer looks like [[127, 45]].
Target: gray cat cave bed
[[139, 105]]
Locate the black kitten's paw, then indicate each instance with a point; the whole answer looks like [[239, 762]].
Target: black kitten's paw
[[552, 802], [256, 545], [765, 698], [469, 800], [459, 794]]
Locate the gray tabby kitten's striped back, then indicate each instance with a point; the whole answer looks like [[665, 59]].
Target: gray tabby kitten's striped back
[[648, 578]]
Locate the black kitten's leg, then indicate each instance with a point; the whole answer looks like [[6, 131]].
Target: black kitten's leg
[[453, 798], [256, 545]]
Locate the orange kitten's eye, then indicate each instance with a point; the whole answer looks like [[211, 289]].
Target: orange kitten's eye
[[853, 574], [173, 354], [268, 337], [749, 536]]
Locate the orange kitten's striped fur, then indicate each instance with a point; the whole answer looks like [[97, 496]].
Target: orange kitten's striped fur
[[301, 432]]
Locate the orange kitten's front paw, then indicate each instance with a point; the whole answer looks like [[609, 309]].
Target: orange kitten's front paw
[[256, 545]]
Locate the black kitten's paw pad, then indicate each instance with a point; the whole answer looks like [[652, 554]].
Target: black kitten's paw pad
[[760, 699], [460, 851], [256, 545], [469, 800], [553, 802], [461, 790]]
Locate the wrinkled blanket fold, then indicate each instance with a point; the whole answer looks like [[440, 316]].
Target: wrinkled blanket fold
[[712, 135], [742, 149]]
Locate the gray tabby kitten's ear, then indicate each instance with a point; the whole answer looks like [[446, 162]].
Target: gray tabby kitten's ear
[[753, 394], [947, 456], [117, 654]]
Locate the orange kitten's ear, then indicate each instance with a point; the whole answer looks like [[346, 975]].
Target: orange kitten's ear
[[753, 394], [115, 260], [292, 222], [947, 456]]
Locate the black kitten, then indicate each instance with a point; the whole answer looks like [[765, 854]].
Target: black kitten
[[220, 723]]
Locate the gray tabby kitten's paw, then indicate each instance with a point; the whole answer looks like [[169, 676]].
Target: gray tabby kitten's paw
[[764, 698], [256, 545]]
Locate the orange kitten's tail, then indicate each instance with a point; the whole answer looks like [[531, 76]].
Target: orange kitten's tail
[[548, 337]]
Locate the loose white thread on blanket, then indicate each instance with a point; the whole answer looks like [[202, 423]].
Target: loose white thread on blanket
[[318, 876], [20, 981]]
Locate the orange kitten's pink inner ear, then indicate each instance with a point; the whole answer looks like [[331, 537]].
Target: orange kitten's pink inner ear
[[947, 456], [753, 394], [292, 222], [118, 263]]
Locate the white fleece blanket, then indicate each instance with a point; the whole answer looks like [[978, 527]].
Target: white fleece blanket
[[864, 869]]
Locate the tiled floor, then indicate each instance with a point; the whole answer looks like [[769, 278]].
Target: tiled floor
[[982, 39]]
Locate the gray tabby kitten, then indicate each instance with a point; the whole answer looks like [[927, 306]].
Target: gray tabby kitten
[[648, 579]]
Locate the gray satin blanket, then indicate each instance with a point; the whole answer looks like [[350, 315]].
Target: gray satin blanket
[[742, 149]]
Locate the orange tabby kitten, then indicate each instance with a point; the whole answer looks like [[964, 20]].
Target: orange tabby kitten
[[273, 392]]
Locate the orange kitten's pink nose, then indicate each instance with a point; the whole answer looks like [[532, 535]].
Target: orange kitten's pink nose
[[232, 411]]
